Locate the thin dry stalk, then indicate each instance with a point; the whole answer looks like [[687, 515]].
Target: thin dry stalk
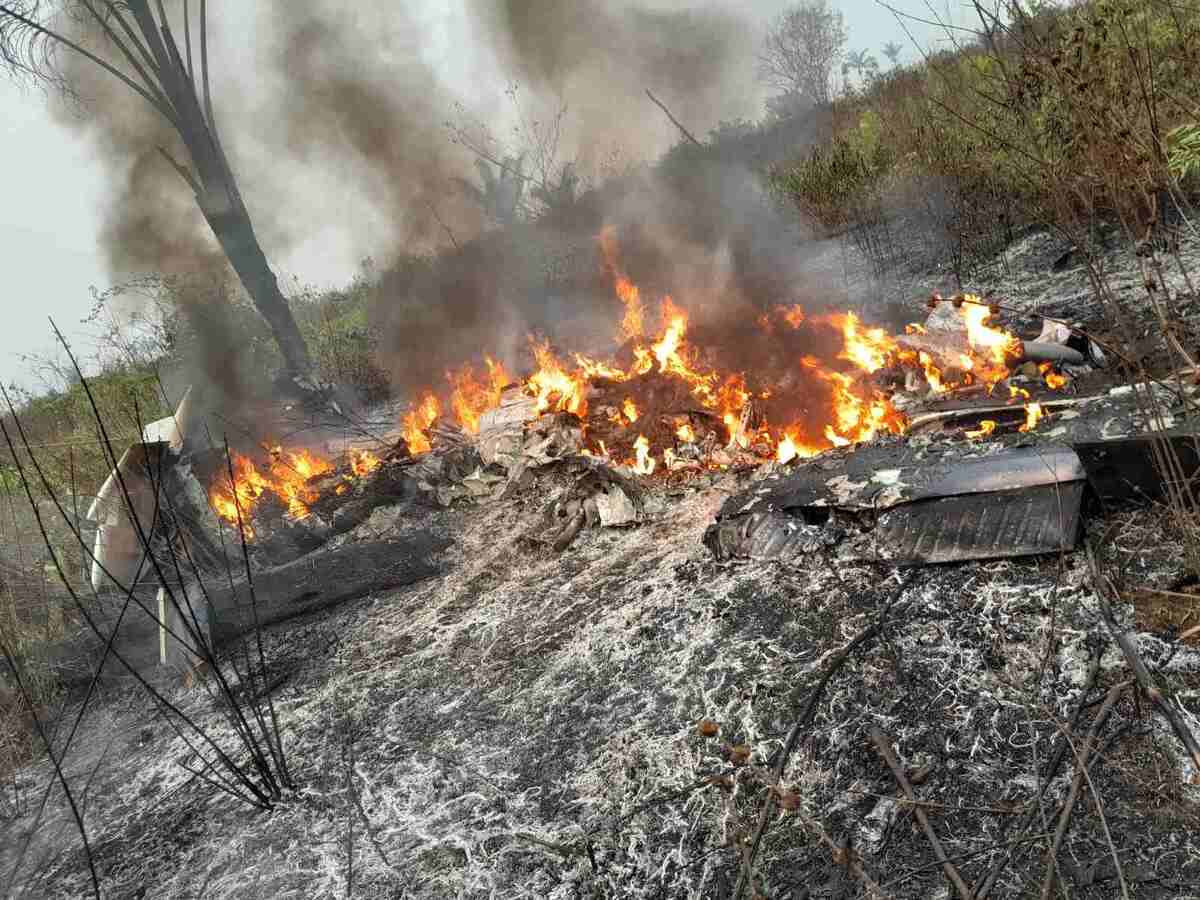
[[806, 716], [1124, 638], [884, 745], [1081, 761]]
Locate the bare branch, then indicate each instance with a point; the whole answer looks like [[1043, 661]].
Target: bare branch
[[801, 49], [687, 134]]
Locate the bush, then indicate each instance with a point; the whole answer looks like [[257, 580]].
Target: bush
[[1055, 119], [342, 339]]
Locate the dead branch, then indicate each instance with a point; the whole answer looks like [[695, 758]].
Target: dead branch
[[1124, 638], [884, 745], [1064, 818], [674, 121], [805, 718]]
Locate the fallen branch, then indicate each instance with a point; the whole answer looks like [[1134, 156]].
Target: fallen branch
[[884, 745], [805, 718], [1064, 818], [1124, 638]]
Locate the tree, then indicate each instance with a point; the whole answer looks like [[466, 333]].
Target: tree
[[801, 48], [502, 192], [143, 54], [861, 63], [892, 51]]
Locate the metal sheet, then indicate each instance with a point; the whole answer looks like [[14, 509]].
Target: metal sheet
[[881, 478], [1023, 522], [1132, 468], [768, 535]]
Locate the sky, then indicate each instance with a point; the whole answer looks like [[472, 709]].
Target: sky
[[55, 187]]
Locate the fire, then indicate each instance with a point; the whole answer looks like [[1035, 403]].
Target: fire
[[998, 348], [632, 322], [248, 485], [644, 463], [986, 427], [553, 386], [932, 373], [471, 398], [870, 349], [859, 415], [791, 447], [629, 408], [733, 400], [1033, 415], [291, 472], [363, 463], [837, 403], [793, 315], [1054, 380], [287, 478], [418, 421]]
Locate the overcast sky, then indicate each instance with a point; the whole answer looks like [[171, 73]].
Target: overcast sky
[[55, 188]]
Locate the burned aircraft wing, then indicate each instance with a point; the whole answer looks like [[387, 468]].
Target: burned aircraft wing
[[877, 480], [1016, 502], [1022, 522]]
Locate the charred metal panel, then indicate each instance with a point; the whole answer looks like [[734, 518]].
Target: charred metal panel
[[1141, 467], [768, 535], [881, 478], [1021, 522]]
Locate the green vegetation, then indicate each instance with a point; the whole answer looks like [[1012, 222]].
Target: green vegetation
[[1056, 118]]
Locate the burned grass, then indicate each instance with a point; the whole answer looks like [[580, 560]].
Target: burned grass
[[525, 725]]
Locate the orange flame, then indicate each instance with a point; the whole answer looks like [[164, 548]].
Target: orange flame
[[553, 386], [627, 291], [686, 433], [629, 408], [287, 479], [291, 473], [870, 349], [986, 427], [1033, 415], [471, 398], [644, 464], [363, 463], [1054, 380], [997, 347], [248, 485], [418, 421]]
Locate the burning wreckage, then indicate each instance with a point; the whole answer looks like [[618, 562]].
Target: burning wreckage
[[955, 440]]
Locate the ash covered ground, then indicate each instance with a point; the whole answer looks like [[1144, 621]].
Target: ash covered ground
[[525, 725]]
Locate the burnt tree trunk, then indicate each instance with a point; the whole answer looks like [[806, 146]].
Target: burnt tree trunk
[[235, 233], [214, 184]]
